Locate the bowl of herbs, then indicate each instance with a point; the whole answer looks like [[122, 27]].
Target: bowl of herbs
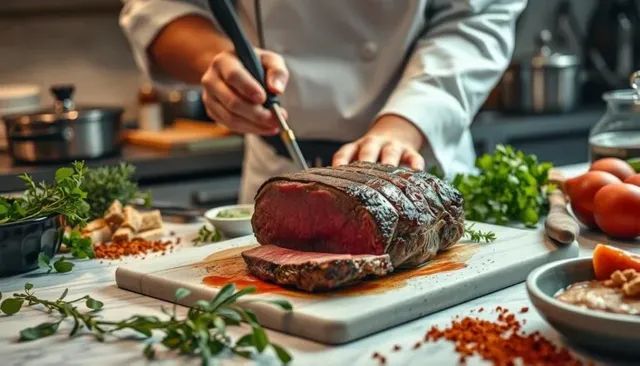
[[32, 225]]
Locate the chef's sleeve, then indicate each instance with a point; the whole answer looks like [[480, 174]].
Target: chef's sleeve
[[456, 62], [142, 21]]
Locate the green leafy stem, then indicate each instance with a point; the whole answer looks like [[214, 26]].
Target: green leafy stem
[[203, 332]]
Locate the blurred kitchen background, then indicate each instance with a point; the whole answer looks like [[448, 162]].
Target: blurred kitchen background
[[585, 46]]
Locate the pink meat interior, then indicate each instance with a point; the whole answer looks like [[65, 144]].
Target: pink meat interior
[[314, 218]]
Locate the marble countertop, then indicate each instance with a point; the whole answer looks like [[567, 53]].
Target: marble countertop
[[97, 279]]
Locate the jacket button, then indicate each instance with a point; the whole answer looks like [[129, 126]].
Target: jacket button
[[369, 51]]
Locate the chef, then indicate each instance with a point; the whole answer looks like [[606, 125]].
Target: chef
[[388, 81]]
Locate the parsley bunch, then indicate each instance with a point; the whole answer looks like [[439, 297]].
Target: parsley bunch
[[109, 183], [511, 186], [64, 197], [202, 333]]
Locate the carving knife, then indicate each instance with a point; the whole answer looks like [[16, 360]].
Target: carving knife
[[228, 19]]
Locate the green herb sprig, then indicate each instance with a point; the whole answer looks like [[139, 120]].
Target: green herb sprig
[[62, 265], [201, 333], [63, 197], [477, 236], [206, 235], [79, 247], [510, 186], [109, 183]]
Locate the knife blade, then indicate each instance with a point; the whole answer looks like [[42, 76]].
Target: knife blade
[[228, 19]]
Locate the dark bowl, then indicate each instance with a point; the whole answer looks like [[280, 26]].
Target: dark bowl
[[22, 242], [605, 333]]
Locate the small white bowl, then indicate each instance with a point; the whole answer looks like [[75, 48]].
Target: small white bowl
[[231, 227]]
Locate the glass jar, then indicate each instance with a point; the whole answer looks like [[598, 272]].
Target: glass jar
[[617, 133]]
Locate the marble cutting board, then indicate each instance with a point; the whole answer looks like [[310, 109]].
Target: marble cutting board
[[464, 272]]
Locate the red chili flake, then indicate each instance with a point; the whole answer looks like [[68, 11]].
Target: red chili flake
[[397, 347], [480, 310], [417, 345], [524, 310], [375, 355]]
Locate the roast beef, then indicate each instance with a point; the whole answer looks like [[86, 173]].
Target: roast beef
[[312, 271], [358, 209]]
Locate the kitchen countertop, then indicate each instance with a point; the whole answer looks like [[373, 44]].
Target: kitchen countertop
[[97, 279], [150, 163]]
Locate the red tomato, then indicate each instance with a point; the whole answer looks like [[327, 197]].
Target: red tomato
[[617, 210], [634, 179], [615, 166], [581, 191]]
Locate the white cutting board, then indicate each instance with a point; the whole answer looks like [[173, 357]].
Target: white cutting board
[[471, 270]]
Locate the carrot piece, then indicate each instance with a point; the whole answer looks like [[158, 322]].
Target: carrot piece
[[608, 259]]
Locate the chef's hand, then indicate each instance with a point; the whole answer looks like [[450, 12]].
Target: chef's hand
[[391, 140], [234, 98]]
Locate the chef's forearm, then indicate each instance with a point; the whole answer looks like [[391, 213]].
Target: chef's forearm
[[184, 48]]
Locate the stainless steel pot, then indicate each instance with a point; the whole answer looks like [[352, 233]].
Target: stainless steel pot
[[65, 132], [548, 82]]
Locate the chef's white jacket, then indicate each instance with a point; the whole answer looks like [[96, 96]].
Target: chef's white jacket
[[432, 62]]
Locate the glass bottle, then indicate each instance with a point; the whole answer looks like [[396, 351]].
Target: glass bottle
[[149, 108], [617, 133]]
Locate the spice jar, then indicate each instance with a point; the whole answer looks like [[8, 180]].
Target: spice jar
[[617, 133], [149, 109]]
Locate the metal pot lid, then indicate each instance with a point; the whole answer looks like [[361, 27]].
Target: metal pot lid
[[65, 109], [547, 57]]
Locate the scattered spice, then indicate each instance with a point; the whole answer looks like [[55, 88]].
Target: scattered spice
[[524, 310], [178, 240], [172, 233], [119, 249], [397, 348], [480, 310], [501, 342], [417, 345]]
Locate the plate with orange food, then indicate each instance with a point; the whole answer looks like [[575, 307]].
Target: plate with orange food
[[594, 302]]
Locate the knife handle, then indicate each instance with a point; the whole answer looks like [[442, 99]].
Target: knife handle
[[228, 19]]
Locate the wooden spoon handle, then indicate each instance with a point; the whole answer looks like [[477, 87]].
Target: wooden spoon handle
[[559, 224]]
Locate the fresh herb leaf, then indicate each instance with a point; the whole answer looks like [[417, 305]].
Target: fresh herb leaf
[[11, 306], [206, 235], [181, 293], [62, 265], [39, 331], [260, 339], [28, 286], [283, 355], [284, 304], [94, 304]]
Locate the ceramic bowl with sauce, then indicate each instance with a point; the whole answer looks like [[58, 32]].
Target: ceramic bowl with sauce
[[232, 221], [612, 334]]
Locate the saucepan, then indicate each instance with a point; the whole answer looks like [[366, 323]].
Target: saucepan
[[547, 82], [65, 132]]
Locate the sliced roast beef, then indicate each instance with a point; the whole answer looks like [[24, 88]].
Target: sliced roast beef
[[357, 209], [316, 213], [412, 223], [311, 271]]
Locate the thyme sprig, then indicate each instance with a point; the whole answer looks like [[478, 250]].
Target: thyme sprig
[[202, 333]]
